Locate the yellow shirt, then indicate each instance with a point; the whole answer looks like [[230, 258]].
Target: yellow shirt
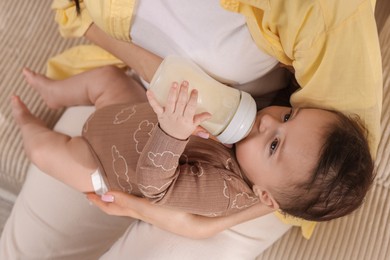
[[332, 45]]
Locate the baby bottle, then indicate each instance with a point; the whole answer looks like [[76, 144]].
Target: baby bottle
[[233, 111]]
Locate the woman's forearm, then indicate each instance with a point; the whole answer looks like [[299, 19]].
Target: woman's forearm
[[178, 222], [142, 61], [201, 227]]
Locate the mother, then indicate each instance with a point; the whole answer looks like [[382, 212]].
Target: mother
[[331, 45]]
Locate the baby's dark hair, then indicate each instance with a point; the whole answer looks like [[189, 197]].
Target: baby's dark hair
[[340, 180]]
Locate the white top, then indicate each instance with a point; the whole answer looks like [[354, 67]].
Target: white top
[[216, 39]]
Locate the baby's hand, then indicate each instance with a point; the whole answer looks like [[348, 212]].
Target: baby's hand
[[178, 118]]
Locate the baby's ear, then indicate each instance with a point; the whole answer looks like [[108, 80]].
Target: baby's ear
[[265, 197]]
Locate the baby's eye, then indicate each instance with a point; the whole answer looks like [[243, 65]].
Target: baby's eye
[[287, 116], [274, 146]]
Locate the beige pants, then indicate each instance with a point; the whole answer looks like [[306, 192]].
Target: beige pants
[[52, 221]]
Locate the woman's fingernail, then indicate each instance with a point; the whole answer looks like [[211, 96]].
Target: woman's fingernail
[[203, 135], [107, 198]]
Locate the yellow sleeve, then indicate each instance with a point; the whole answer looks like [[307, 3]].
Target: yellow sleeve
[[342, 70], [112, 16], [79, 59], [70, 23]]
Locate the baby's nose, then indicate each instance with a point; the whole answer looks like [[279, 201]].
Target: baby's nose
[[267, 122]]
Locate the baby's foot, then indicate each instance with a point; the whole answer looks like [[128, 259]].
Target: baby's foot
[[43, 85], [22, 115], [31, 127]]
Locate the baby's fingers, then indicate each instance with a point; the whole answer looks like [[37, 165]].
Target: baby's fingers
[[192, 104], [182, 99], [201, 132], [157, 108], [199, 118], [172, 98]]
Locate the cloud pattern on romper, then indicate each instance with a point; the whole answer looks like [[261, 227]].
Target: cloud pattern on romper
[[241, 200], [166, 160], [143, 132], [120, 168], [124, 115], [196, 168]]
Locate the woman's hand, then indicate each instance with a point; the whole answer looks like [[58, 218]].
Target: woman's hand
[[181, 223], [178, 118]]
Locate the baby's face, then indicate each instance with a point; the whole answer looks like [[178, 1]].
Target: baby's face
[[283, 145]]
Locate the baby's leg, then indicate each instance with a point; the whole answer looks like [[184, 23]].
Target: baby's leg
[[66, 159], [99, 87]]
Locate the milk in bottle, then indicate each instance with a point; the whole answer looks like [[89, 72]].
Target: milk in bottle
[[233, 111]]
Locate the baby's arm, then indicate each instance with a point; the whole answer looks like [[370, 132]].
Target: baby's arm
[[158, 165]]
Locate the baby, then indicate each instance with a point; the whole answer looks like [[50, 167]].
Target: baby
[[310, 163]]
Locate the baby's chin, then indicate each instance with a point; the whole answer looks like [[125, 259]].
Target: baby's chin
[[243, 142], [239, 149]]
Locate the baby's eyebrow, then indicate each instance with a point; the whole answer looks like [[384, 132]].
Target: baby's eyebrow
[[294, 113]]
